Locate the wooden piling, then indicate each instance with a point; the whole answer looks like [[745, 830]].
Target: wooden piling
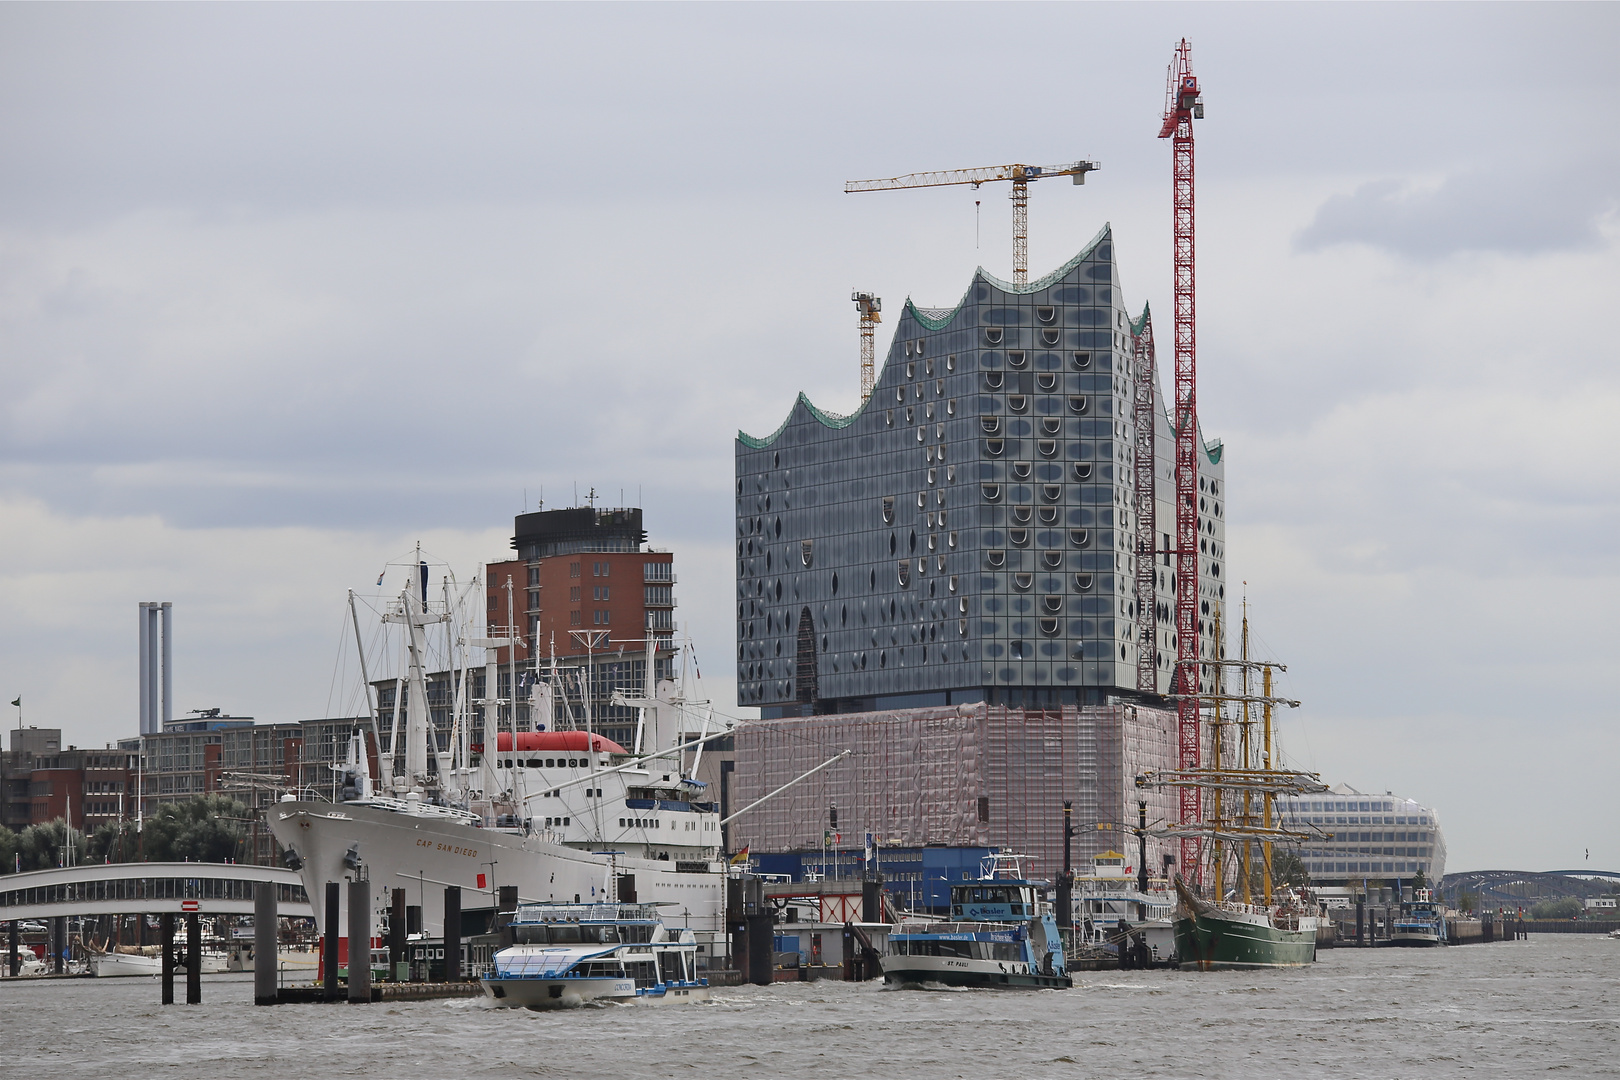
[[452, 933], [359, 941], [193, 960], [264, 944], [166, 936], [329, 943]]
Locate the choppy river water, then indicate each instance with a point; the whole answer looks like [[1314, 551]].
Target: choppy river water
[[1547, 1005]]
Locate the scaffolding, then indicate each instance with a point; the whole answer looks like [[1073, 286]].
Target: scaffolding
[[962, 776]]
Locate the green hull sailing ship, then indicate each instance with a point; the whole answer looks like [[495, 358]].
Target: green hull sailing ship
[[1233, 928]]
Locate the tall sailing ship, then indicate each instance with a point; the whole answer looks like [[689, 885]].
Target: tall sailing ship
[[1231, 927], [565, 816]]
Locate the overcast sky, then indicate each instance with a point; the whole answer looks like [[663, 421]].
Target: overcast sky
[[285, 289]]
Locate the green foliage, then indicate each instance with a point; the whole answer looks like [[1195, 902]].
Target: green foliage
[[1419, 881], [1466, 903], [1566, 908], [42, 846], [8, 850], [1287, 868], [114, 842], [208, 828]]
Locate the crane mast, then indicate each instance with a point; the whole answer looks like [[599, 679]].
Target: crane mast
[[1021, 177], [870, 308], [1182, 105]]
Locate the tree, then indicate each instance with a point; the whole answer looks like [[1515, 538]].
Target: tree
[[1419, 881], [1565, 908], [207, 828], [8, 850], [114, 842], [1465, 903], [43, 846]]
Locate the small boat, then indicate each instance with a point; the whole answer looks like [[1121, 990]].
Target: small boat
[[567, 955], [27, 964], [148, 960], [1420, 923], [1001, 936]]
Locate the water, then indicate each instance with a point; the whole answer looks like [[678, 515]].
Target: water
[[1547, 1005]]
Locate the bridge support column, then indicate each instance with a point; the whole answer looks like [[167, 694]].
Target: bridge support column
[[329, 942], [13, 958], [58, 943], [193, 959], [359, 941], [264, 944], [166, 934]]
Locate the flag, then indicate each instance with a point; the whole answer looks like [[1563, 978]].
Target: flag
[[18, 702], [741, 858], [380, 577]]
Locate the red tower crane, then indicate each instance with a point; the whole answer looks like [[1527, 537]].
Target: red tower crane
[[1182, 105]]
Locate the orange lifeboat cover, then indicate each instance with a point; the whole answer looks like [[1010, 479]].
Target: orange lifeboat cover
[[564, 741]]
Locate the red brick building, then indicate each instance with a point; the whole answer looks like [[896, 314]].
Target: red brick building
[[586, 590]]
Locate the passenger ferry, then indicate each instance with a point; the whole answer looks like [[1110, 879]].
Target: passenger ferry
[[567, 955], [1001, 936], [1420, 923]]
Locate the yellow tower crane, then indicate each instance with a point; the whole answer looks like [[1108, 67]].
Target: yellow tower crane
[[869, 307], [1020, 175]]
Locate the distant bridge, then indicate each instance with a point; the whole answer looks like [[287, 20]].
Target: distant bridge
[[1515, 887], [148, 888]]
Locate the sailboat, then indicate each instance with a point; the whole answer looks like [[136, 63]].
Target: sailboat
[[1232, 928]]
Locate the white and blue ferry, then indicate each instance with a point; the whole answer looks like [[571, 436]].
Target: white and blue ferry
[[566, 955], [1421, 923], [1001, 935]]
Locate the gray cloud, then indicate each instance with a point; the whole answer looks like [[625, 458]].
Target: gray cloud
[[1512, 207]]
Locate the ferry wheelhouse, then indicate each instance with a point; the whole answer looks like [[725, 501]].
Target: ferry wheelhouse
[[567, 955], [1001, 935], [1420, 923]]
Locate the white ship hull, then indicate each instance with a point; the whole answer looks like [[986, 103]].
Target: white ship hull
[[543, 994], [424, 852], [109, 965]]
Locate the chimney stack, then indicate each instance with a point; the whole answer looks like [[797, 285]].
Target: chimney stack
[[157, 681]]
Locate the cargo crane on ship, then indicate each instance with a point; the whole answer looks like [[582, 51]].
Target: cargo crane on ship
[[1020, 175]]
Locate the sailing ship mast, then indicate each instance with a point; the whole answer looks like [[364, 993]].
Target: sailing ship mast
[[1238, 772]]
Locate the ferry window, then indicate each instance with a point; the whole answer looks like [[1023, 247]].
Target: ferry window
[[568, 821], [551, 763]]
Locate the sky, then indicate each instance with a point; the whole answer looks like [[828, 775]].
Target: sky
[[288, 289]]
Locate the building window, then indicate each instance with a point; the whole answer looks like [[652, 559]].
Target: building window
[[573, 618], [573, 569], [888, 509], [573, 594], [1017, 358], [1082, 359]]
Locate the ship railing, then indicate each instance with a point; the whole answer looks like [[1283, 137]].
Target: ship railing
[[944, 926], [540, 913]]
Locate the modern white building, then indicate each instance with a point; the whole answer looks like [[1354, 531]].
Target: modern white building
[[1359, 837]]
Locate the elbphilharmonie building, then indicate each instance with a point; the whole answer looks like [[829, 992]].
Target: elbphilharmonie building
[[970, 534]]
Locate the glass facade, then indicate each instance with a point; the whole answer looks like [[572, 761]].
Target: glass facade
[[968, 534], [1362, 836]]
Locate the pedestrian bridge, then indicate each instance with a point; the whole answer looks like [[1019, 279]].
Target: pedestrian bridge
[[148, 888]]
